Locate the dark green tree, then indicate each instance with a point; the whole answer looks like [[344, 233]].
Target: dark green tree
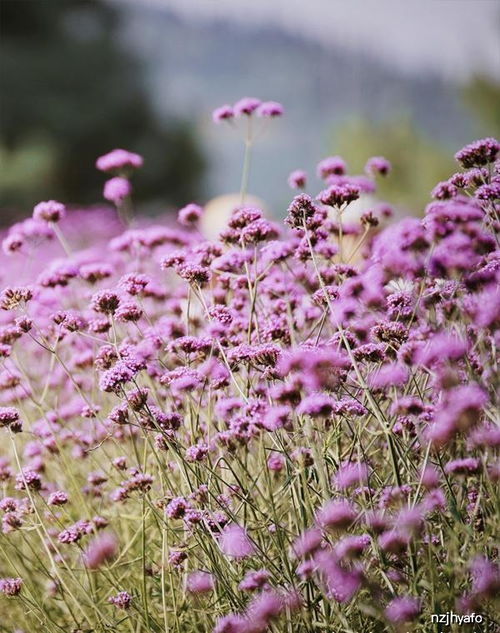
[[71, 90]]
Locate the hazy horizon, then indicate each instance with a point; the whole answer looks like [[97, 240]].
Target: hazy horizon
[[415, 35]]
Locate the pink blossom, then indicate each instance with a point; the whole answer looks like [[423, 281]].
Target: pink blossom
[[235, 542]]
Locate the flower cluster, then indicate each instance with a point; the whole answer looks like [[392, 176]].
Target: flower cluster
[[247, 107], [289, 428]]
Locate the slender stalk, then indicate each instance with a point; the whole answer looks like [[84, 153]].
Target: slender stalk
[[246, 161]]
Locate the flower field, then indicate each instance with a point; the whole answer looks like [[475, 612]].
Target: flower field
[[293, 428]]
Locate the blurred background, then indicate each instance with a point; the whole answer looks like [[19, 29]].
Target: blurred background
[[412, 80]]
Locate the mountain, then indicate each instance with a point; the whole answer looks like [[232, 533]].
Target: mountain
[[192, 67]]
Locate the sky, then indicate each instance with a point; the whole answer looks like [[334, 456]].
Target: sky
[[454, 38]]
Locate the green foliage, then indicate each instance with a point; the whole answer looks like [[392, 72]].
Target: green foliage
[[72, 91], [482, 96], [418, 162]]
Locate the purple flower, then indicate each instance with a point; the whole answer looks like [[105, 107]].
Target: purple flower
[[50, 211], [434, 500], [459, 411], [333, 165], [100, 550], [95, 272], [254, 580], [464, 466], [300, 211], [8, 504], [444, 191], [119, 160], [489, 192], [377, 165], [177, 507], [484, 436], [199, 582], [352, 546], [257, 231], [194, 273], [350, 474], [105, 301], [316, 405], [270, 109], [223, 113], [28, 479], [128, 311], [117, 189], [394, 541], [12, 243], [235, 542], [389, 375], [13, 297], [339, 195], [297, 179], [336, 515], [276, 417], [319, 367], [10, 586], [190, 214], [264, 607], [430, 477], [134, 283], [276, 462], [479, 153], [401, 247], [197, 453], [74, 532], [485, 576], [246, 106], [176, 558], [116, 377], [234, 623], [407, 405], [57, 498], [122, 600], [9, 418], [403, 609], [341, 583]]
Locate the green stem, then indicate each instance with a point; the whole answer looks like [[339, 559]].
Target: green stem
[[246, 161]]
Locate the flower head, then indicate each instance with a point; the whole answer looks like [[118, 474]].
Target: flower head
[[246, 106], [331, 166], [479, 153], [403, 609], [297, 179], [119, 160], [50, 211], [100, 550], [235, 542], [190, 214], [10, 586], [200, 582], [377, 165], [9, 417], [336, 515], [117, 189], [122, 600], [339, 195], [223, 113], [270, 109]]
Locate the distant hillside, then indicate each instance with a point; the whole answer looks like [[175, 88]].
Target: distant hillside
[[194, 67]]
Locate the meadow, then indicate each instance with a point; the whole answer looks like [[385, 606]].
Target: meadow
[[292, 428]]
